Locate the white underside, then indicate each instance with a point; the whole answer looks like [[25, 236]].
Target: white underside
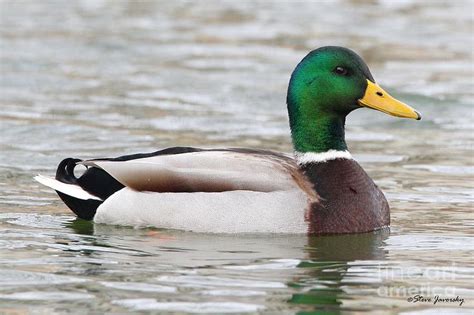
[[223, 212], [313, 157]]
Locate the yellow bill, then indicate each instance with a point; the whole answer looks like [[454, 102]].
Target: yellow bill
[[375, 97]]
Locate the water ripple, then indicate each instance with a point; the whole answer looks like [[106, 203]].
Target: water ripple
[[46, 296], [213, 281], [138, 286], [204, 307], [12, 278]]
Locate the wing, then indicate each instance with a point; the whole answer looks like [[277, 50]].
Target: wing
[[206, 171]]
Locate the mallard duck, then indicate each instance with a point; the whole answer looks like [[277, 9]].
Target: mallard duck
[[320, 189]]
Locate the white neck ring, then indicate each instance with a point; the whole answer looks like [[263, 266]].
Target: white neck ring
[[303, 158]]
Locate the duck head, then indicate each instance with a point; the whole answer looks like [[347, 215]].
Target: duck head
[[324, 88]]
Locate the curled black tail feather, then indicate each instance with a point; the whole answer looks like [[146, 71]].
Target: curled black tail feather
[[95, 181], [65, 171]]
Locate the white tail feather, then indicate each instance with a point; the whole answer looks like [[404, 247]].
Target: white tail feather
[[68, 189]]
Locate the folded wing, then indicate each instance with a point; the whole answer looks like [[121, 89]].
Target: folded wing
[[206, 171]]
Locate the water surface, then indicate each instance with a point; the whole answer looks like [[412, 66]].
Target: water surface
[[98, 78]]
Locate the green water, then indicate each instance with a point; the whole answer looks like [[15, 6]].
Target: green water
[[98, 78]]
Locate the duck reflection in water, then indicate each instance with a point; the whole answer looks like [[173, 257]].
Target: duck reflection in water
[[327, 270]]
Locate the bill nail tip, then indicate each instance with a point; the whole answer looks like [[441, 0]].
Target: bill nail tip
[[418, 114]]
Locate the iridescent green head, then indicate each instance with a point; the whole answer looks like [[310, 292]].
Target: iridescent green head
[[325, 87]]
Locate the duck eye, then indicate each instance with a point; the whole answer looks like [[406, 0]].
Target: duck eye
[[341, 70]]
